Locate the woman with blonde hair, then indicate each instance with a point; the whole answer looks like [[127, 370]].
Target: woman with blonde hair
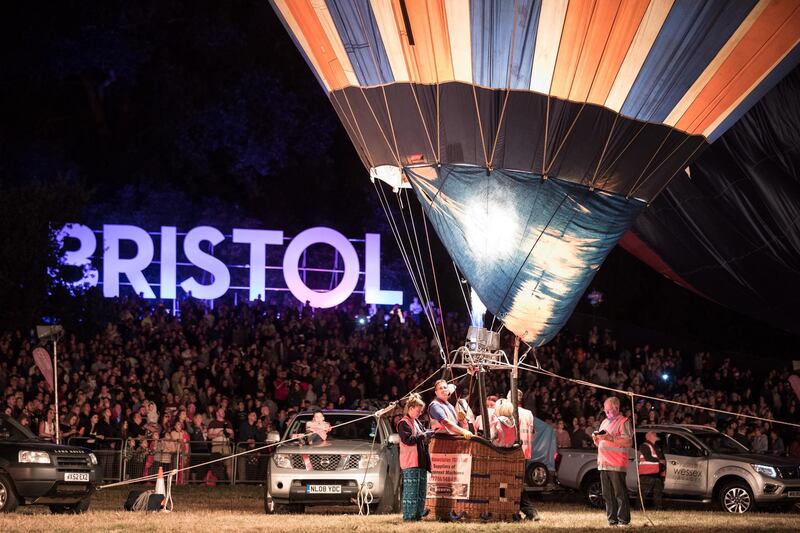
[[415, 461], [503, 428]]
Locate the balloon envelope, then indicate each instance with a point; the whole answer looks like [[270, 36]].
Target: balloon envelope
[[552, 123]]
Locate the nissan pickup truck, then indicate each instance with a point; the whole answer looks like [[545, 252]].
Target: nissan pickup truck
[[37, 472], [359, 455], [703, 465]]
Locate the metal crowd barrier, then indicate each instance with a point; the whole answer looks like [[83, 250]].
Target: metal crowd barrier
[[142, 457], [134, 458], [108, 453], [251, 468]]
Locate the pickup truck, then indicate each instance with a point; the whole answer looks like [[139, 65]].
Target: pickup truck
[[36, 472], [362, 450], [540, 470], [703, 464]]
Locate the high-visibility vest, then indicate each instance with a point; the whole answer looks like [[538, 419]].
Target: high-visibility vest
[[609, 456], [408, 453], [648, 468], [451, 415], [505, 434], [527, 431]]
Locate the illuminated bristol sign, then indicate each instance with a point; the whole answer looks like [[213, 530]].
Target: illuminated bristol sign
[[269, 262]]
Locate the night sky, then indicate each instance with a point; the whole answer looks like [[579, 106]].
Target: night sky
[[203, 112]]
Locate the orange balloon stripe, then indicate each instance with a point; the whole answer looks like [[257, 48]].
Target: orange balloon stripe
[[576, 24], [330, 69], [429, 59], [597, 36], [775, 33], [626, 24]]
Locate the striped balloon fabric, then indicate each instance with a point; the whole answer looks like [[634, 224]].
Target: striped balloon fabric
[[610, 98], [692, 66]]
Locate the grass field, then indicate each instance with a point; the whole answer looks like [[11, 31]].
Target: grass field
[[240, 509]]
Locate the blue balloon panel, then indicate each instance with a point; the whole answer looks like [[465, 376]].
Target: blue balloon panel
[[528, 246]]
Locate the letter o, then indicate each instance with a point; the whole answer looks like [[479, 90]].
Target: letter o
[[291, 272]]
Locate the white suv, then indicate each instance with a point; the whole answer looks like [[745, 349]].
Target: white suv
[[362, 455]]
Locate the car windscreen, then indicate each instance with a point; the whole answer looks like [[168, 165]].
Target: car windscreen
[[357, 427], [720, 443], [11, 430]]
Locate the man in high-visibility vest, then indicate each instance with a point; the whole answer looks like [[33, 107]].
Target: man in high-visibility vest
[[652, 468], [613, 440]]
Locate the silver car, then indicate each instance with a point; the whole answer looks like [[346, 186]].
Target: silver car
[[361, 456], [703, 465]]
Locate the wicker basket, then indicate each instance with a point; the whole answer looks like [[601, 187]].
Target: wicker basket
[[495, 482]]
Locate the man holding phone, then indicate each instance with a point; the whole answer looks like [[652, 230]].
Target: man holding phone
[[613, 440]]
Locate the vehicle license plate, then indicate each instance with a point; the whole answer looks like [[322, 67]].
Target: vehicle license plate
[[323, 489], [76, 476], [794, 493]]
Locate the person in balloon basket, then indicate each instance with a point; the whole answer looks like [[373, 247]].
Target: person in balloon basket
[[613, 440], [443, 414], [415, 461], [652, 469]]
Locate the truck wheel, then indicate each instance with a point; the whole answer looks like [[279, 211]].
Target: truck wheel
[[537, 475], [8, 498], [269, 504], [73, 508], [270, 507], [390, 502], [735, 497], [592, 490]]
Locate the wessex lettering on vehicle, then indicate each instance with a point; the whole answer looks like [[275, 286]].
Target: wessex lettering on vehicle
[[116, 266]]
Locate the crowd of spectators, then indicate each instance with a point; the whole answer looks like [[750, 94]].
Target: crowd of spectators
[[693, 380], [205, 378]]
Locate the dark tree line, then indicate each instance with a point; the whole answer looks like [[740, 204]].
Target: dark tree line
[[160, 112]]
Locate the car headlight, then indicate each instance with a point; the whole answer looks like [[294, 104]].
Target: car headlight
[[368, 461], [30, 456], [282, 460], [765, 470], [93, 458]]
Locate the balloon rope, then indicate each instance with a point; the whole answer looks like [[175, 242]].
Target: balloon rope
[[636, 458], [435, 280], [700, 144], [421, 268], [416, 250], [461, 286], [422, 117], [404, 254], [379, 413], [480, 124], [531, 368], [603, 153], [650, 161], [664, 160], [395, 154], [375, 63], [354, 125]]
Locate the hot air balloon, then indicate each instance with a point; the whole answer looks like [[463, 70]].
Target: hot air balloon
[[534, 132]]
